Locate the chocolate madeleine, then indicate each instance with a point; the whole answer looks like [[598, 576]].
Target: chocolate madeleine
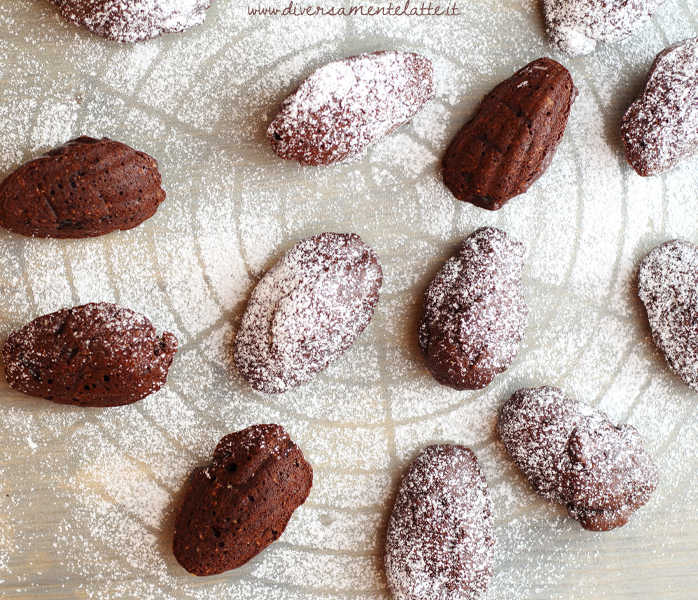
[[239, 504], [474, 313], [92, 355], [575, 26], [573, 455], [660, 129], [133, 20], [513, 137], [85, 188], [667, 284], [347, 105], [307, 311], [440, 540]]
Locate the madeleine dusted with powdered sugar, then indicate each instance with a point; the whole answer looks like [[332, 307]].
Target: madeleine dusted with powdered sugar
[[660, 129], [440, 540], [346, 106], [307, 311], [573, 455], [575, 26], [668, 287], [474, 313], [133, 20]]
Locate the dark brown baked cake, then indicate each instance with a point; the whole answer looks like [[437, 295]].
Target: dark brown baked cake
[[660, 129], [242, 502], [92, 355], [346, 106], [85, 188], [307, 311], [513, 137], [474, 313], [575, 26], [667, 285], [573, 455], [440, 540], [133, 20]]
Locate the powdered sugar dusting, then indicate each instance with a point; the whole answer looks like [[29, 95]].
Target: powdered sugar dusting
[[440, 540], [363, 420], [668, 279], [134, 20], [659, 129], [576, 26]]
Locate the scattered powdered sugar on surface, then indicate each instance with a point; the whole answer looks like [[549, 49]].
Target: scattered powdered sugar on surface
[[577, 25], [88, 498], [134, 20]]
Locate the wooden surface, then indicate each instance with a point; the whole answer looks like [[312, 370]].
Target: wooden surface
[[88, 497]]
